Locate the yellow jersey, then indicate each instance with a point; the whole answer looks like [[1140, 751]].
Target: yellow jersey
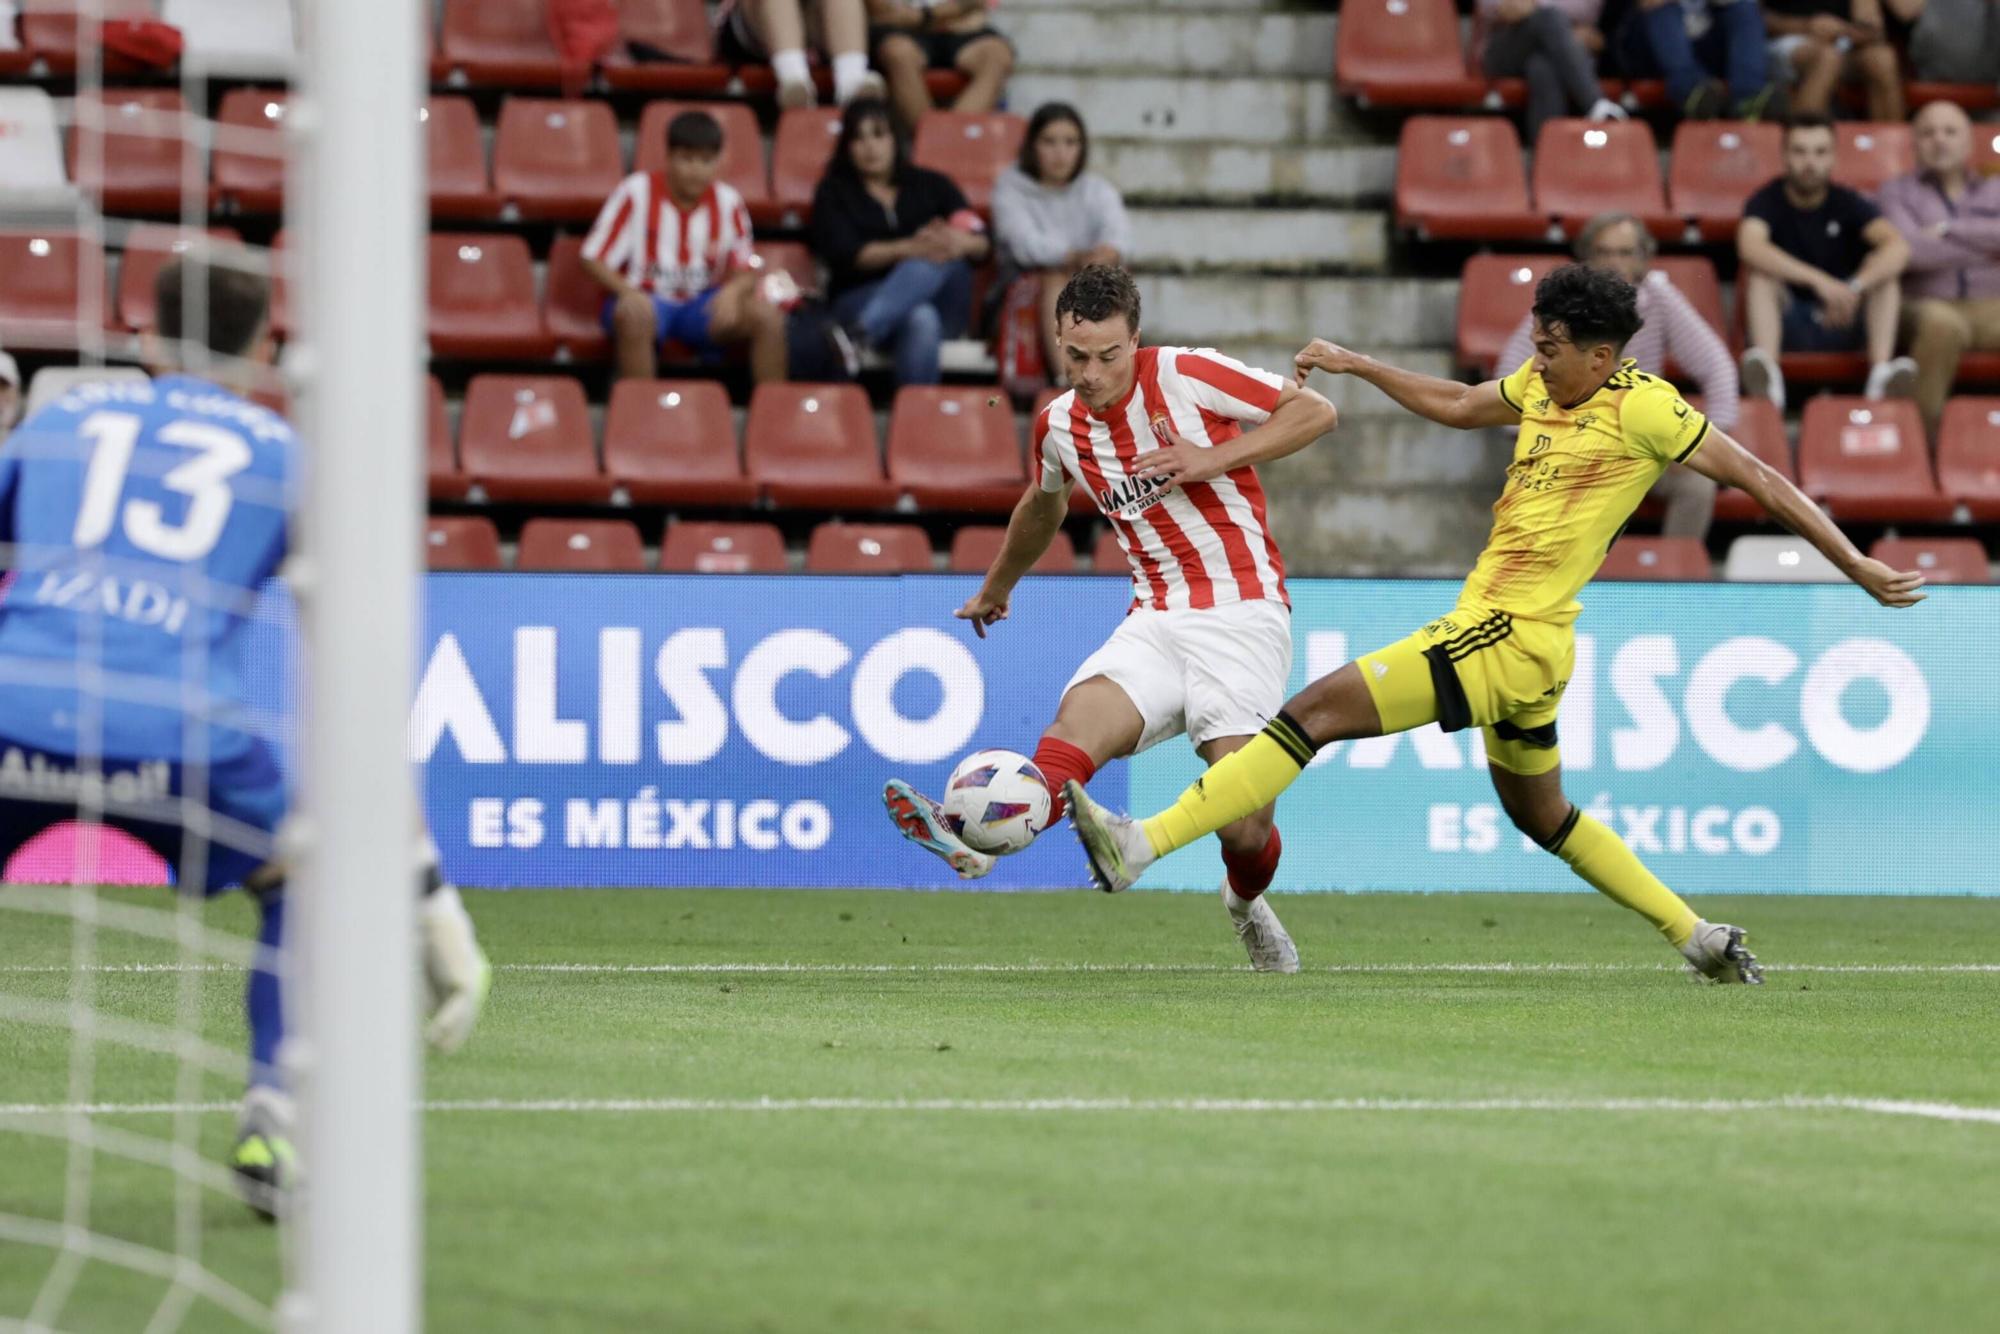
[[1577, 475]]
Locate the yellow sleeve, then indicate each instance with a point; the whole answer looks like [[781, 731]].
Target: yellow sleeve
[[1514, 389], [1660, 424]]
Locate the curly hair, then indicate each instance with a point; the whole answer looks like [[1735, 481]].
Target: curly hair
[[1591, 306], [1097, 292]]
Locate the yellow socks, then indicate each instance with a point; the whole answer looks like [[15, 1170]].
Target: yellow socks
[[1611, 868], [1236, 785]]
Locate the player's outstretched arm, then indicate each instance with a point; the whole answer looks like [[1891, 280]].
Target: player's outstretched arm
[[1447, 402], [1729, 464], [1037, 517]]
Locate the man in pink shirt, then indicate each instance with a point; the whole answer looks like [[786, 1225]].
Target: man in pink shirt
[[1673, 330], [1951, 220]]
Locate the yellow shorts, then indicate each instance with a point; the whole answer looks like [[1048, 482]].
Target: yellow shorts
[[1483, 668]]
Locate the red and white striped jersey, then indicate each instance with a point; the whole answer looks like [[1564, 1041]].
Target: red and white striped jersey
[[642, 234], [1204, 545]]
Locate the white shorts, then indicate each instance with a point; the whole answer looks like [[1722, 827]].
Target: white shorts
[[1216, 672]]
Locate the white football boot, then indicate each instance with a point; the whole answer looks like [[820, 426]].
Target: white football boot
[[1715, 951], [922, 822], [1269, 945], [1116, 845]]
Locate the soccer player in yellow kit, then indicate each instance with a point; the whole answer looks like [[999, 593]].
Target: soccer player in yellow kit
[[1595, 434]]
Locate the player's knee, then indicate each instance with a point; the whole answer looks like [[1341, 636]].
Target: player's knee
[[1539, 817], [632, 317], [1251, 833], [899, 54]]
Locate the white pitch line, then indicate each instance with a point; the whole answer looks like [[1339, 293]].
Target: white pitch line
[[1928, 1110], [1057, 968]]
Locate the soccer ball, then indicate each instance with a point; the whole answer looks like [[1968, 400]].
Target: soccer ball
[[997, 801]]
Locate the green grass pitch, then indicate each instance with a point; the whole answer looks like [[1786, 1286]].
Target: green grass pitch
[[1461, 1160]]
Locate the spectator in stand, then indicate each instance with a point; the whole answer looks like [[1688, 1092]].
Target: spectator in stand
[[756, 32], [1052, 217], [909, 37], [1671, 330], [1952, 41], [1823, 43], [898, 242], [1554, 45], [1951, 220], [672, 251], [1711, 53], [10, 393], [1819, 270]]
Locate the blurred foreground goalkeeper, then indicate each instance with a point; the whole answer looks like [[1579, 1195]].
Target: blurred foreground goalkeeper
[[142, 520]]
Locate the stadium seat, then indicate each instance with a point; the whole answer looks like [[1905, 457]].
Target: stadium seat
[[52, 382], [723, 548], [1868, 460], [1632, 558], [499, 44], [673, 442], [1106, 556], [1402, 53], [973, 549], [812, 446], [1776, 559], [1760, 428], [50, 31], [446, 481], [574, 304], [1943, 560], [31, 156], [794, 258], [461, 543], [680, 33], [1968, 455], [1494, 292], [804, 145], [1584, 167], [141, 169], [461, 186], [955, 448], [247, 178], [1695, 276], [1717, 164], [1461, 177], [148, 247], [581, 546], [971, 147], [868, 548], [41, 297], [742, 162], [1866, 155], [482, 299], [236, 39], [1974, 97], [527, 437], [556, 160]]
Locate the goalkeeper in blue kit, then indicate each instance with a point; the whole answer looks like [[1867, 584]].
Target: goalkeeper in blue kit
[[141, 520]]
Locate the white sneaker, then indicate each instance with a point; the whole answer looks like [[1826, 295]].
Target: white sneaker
[[1895, 378], [1605, 109], [1263, 935], [922, 822], [1716, 951], [1116, 845], [1762, 378]]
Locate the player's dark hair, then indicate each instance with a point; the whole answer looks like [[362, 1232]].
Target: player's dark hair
[[1591, 306], [1047, 114], [1807, 120], [861, 113], [696, 131], [235, 299], [1097, 292]]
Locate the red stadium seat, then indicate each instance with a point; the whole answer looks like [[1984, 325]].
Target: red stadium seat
[[1974, 97], [868, 548], [575, 304], [1106, 556], [446, 480], [460, 184], [556, 160], [971, 147], [742, 162], [1968, 455], [673, 442], [41, 293], [799, 154], [1494, 292], [499, 44], [723, 548], [1683, 558], [1866, 155], [148, 247], [1461, 177], [1403, 53], [1583, 168], [1717, 164], [582, 546], [812, 446], [482, 299], [50, 31], [1943, 560], [249, 169], [1867, 460], [973, 550], [462, 543], [527, 437], [791, 257], [142, 167], [955, 448], [1760, 428], [679, 31]]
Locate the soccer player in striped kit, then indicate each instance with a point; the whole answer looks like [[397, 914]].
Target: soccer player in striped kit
[[1166, 440]]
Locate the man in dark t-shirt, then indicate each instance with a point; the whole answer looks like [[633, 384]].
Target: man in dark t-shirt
[[1819, 269]]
